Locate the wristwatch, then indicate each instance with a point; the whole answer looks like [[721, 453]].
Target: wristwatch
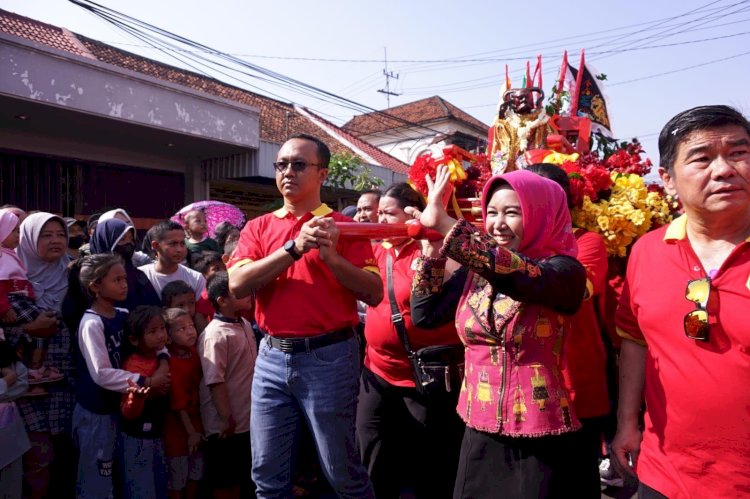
[[291, 248]]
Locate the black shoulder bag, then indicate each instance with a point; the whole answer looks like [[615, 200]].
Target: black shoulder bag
[[438, 369]]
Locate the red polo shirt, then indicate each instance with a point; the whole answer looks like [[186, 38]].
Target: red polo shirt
[[306, 299], [696, 441], [385, 354], [584, 360]]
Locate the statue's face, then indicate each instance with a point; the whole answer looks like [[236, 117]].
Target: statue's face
[[521, 101]]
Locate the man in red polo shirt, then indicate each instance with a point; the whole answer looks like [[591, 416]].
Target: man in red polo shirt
[[683, 320], [307, 283]]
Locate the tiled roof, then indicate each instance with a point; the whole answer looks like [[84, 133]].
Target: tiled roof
[[376, 154], [40, 32], [278, 120], [422, 112]]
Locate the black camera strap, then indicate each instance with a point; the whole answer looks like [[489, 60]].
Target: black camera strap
[[396, 317]]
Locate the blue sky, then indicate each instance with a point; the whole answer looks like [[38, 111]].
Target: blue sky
[[631, 42]]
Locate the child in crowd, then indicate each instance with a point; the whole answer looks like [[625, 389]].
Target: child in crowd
[[196, 229], [183, 432], [228, 351], [17, 303], [15, 442], [101, 379], [168, 242], [177, 294], [229, 248], [140, 442], [207, 263], [225, 233]]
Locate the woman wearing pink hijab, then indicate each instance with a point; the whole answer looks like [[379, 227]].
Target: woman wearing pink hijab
[[510, 300]]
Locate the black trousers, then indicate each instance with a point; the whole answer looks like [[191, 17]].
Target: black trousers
[[494, 466], [406, 440]]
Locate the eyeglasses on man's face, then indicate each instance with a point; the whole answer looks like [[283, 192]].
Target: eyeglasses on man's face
[[297, 166], [696, 321]]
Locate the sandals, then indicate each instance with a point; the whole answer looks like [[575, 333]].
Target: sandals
[[45, 374]]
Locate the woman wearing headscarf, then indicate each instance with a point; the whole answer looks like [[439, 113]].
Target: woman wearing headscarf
[[139, 258], [42, 249], [116, 236], [510, 309]]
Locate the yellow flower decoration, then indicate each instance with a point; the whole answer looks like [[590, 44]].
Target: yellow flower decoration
[[629, 213]]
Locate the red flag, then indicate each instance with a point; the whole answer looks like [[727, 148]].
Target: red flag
[[528, 74], [561, 81], [577, 92], [537, 71]]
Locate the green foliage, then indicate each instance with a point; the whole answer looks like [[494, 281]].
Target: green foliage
[[601, 77], [563, 97], [347, 171]]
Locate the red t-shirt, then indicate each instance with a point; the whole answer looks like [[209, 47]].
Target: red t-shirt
[[584, 359], [696, 441], [204, 306], [183, 396], [385, 354], [306, 299]]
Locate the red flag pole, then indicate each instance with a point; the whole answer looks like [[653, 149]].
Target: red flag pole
[[579, 79], [507, 78], [561, 81]]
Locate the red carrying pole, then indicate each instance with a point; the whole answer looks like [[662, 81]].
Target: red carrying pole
[[354, 230]]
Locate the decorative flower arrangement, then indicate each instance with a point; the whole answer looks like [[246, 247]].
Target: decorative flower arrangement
[[610, 196], [469, 172]]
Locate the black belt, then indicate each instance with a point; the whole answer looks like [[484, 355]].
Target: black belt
[[295, 345]]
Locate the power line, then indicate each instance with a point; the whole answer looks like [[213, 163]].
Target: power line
[[121, 21], [678, 70]]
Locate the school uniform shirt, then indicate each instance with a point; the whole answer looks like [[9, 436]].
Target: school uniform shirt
[[227, 351], [306, 299], [158, 280], [696, 441]]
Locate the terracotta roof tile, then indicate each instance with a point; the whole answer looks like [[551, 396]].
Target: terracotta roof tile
[[422, 112], [37, 31], [375, 153], [278, 120]]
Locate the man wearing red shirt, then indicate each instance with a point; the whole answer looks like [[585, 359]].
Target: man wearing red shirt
[[682, 317], [307, 284]]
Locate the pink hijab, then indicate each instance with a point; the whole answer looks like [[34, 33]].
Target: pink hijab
[[11, 266], [547, 229]]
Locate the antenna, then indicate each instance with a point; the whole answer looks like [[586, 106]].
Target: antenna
[[388, 75]]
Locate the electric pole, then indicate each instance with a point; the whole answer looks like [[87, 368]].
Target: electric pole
[[388, 75]]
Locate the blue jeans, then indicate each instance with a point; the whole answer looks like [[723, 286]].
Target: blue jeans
[[319, 388], [94, 435], [144, 467]]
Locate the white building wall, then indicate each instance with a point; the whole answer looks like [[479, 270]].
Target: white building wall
[[407, 144]]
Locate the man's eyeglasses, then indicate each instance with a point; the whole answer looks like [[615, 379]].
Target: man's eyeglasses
[[696, 322], [297, 166]]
